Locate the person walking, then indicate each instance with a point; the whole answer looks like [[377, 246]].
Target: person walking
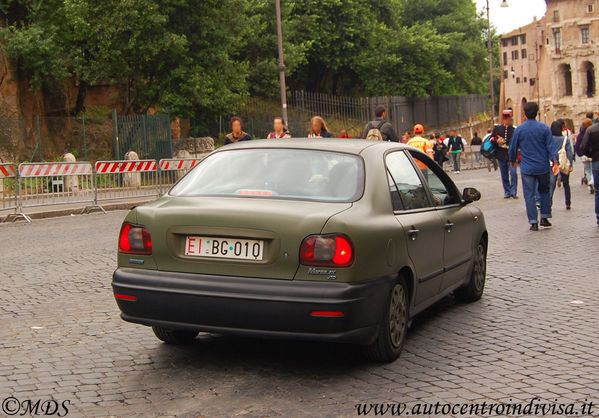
[[419, 141], [455, 146], [318, 128], [439, 150], [533, 141], [476, 141], [590, 148], [562, 142], [279, 129], [502, 136], [237, 134], [587, 177], [380, 129]]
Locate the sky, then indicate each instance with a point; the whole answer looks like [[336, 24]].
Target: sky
[[519, 13]]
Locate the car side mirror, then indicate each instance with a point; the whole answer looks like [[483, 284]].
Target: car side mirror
[[470, 195]]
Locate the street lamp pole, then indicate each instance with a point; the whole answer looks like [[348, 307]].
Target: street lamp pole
[[490, 47], [281, 62]]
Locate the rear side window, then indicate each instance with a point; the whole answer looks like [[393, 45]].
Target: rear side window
[[412, 193], [440, 185], [276, 173]]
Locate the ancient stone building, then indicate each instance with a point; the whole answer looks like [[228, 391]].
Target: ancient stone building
[[553, 61]]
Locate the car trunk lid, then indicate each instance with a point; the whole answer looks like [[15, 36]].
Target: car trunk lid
[[279, 224]]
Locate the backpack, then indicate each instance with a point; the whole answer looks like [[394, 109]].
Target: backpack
[[488, 149], [375, 133], [564, 161]]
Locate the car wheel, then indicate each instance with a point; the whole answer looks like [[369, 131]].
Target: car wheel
[[174, 336], [394, 327], [473, 290]]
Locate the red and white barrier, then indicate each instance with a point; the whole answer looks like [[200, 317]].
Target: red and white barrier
[[176, 164], [172, 169], [126, 179], [130, 166], [8, 171], [54, 169], [9, 191]]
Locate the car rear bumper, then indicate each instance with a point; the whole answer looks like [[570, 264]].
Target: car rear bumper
[[252, 306]]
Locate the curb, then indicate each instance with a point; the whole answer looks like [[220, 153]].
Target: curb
[[77, 211]]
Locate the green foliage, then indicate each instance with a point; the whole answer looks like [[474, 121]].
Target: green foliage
[[202, 58]]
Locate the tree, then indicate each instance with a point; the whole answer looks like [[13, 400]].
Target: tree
[[202, 58], [462, 30]]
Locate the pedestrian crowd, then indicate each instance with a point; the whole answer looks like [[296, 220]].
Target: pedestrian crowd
[[439, 147], [544, 155]]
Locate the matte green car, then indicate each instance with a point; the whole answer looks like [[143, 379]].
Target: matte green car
[[333, 240]]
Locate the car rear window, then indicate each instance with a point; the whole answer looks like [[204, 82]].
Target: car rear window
[[277, 174]]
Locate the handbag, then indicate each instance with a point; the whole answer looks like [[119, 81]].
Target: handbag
[[564, 161]]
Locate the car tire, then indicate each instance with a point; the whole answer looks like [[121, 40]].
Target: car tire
[[473, 290], [394, 327], [174, 336]]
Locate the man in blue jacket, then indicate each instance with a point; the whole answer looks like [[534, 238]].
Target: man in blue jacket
[[537, 151]]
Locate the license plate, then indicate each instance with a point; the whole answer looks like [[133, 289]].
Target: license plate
[[240, 249]]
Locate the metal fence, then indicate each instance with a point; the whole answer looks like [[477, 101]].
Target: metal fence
[[42, 138], [100, 137], [48, 138], [352, 113], [148, 135]]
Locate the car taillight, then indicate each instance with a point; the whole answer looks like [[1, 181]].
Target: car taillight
[[333, 250], [135, 239]]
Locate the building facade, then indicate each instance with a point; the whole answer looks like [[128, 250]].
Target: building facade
[[553, 61]]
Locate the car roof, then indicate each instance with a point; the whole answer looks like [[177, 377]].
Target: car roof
[[351, 146]]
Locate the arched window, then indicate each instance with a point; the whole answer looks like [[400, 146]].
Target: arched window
[[588, 70], [565, 80], [509, 104]]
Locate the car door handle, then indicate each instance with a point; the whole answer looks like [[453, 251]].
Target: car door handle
[[449, 226], [413, 233]]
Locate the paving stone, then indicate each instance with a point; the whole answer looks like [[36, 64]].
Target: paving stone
[[522, 340]]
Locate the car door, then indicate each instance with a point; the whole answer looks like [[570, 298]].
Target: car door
[[421, 224], [457, 220]]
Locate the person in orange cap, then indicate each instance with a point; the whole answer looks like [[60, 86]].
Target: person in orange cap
[[423, 144]]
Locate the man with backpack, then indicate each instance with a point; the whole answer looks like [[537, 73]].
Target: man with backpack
[[380, 129]]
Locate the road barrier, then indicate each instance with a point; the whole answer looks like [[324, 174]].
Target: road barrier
[[469, 159], [9, 191], [44, 184], [59, 183], [126, 179], [172, 169]]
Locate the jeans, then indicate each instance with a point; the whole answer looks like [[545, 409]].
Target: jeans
[[478, 157], [455, 159], [595, 165], [565, 183], [588, 172], [509, 178], [530, 184]]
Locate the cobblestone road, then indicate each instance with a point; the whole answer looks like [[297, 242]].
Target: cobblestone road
[[62, 338]]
